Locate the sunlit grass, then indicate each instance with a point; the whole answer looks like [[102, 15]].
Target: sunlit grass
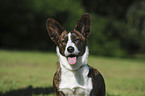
[[24, 73]]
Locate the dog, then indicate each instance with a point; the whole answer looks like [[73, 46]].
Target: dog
[[74, 77]]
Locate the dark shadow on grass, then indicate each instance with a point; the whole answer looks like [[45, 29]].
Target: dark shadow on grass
[[111, 94], [29, 91]]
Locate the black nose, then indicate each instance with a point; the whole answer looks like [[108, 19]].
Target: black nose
[[70, 49]]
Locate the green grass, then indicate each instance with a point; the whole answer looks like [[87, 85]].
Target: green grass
[[24, 73]]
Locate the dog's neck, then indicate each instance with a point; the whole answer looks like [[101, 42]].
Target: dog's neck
[[81, 61], [77, 75]]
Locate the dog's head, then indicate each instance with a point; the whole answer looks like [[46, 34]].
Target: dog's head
[[71, 44]]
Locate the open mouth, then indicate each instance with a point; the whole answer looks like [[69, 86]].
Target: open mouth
[[72, 59]]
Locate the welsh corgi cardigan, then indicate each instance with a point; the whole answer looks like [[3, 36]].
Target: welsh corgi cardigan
[[74, 77]]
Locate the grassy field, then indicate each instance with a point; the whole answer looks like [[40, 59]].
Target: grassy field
[[30, 74]]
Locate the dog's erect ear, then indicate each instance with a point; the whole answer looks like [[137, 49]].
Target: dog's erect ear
[[84, 25], [54, 29]]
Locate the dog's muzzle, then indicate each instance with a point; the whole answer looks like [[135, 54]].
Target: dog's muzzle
[[72, 58]]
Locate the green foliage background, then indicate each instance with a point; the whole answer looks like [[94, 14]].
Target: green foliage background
[[118, 27]]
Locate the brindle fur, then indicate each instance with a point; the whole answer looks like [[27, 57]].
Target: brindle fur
[[56, 81], [81, 32], [97, 81]]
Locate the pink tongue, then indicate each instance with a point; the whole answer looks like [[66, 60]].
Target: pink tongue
[[72, 60]]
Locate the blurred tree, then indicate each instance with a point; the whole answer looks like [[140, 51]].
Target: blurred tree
[[118, 35], [136, 27], [105, 37], [117, 26], [112, 8], [23, 21]]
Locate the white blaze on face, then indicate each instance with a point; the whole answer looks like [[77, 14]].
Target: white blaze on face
[[70, 43], [71, 60]]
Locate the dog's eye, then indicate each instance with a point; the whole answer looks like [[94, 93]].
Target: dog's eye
[[77, 40], [63, 41]]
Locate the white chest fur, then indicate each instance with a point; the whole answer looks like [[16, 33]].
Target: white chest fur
[[75, 83]]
